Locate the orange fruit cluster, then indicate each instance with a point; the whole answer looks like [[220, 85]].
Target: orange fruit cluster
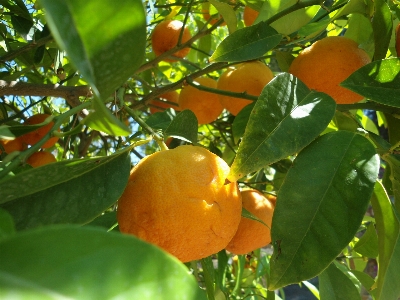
[[31, 138], [178, 199], [328, 62]]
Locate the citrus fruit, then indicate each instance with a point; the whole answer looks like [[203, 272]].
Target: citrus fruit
[[161, 104], [251, 234], [248, 77], [12, 145], [40, 158], [249, 15], [178, 199], [205, 10], [328, 62], [165, 36], [35, 136], [205, 105]]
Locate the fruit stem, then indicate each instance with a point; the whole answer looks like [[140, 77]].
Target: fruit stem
[[159, 140], [241, 262]]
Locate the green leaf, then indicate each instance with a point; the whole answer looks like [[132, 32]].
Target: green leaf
[[68, 262], [378, 81], [70, 191], [209, 276], [184, 126], [366, 280], [7, 226], [286, 117], [107, 220], [249, 215], [388, 227], [394, 162], [159, 120], [227, 13], [290, 22], [382, 25], [105, 40], [368, 243], [22, 25], [247, 43], [321, 205], [335, 285], [240, 122], [102, 119]]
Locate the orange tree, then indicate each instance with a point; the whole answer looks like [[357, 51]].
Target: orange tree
[[334, 168]]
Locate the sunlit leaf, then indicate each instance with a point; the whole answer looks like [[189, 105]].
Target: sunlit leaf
[[247, 43], [321, 205], [105, 40], [388, 227], [286, 118], [368, 243], [378, 81], [71, 262]]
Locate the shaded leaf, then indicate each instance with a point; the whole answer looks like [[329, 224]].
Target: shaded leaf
[[247, 43], [286, 117], [184, 126], [335, 285], [159, 120], [102, 119], [70, 191], [105, 40], [366, 280], [240, 122], [388, 227], [378, 81], [394, 162], [382, 25], [68, 262], [7, 226], [368, 243], [22, 25], [321, 205]]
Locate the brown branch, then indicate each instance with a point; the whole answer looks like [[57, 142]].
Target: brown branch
[[70, 93], [13, 54]]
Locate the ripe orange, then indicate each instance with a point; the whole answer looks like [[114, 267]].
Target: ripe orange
[[205, 10], [328, 62], [41, 158], [160, 104], [165, 36], [248, 77], [249, 15], [35, 136], [12, 145], [178, 199], [205, 105], [251, 234]]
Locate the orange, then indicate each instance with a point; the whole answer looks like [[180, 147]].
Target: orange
[[251, 234], [205, 10], [161, 104], [40, 158], [205, 105], [165, 37], [328, 62], [12, 145], [248, 77], [35, 136], [178, 199], [249, 15]]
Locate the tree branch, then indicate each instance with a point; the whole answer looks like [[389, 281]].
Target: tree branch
[[70, 93]]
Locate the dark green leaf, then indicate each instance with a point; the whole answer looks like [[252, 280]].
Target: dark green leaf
[[7, 226], [71, 191], [209, 275], [378, 81], [368, 243], [382, 25], [320, 205], [394, 162], [18, 9], [388, 227], [366, 280], [39, 54], [286, 118], [184, 126], [68, 262], [21, 25], [335, 285], [247, 43], [106, 220], [240, 122], [105, 40], [102, 119], [159, 120]]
